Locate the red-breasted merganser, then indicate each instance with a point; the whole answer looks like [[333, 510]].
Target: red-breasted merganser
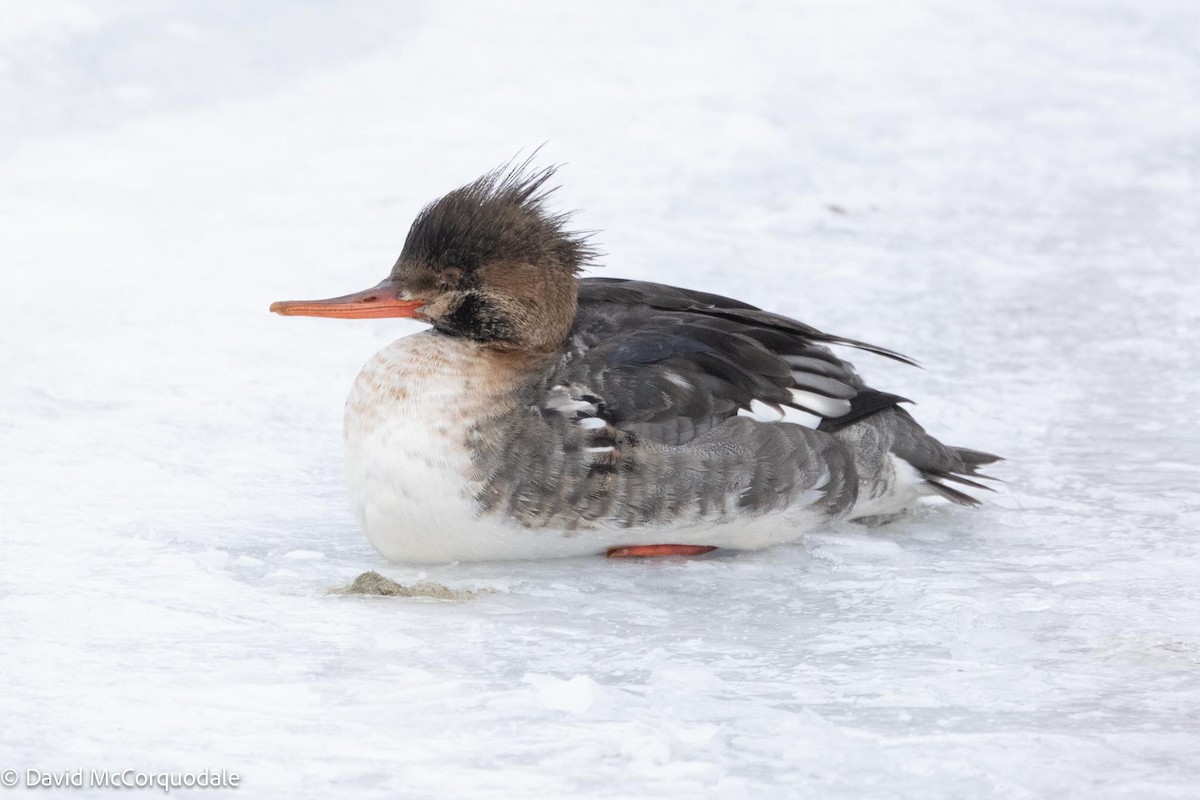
[[549, 415]]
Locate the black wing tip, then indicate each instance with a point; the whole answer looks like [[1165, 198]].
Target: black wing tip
[[866, 403], [875, 350]]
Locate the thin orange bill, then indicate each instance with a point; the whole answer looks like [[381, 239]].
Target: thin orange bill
[[374, 303]]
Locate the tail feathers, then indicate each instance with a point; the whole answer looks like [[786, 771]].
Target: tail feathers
[[936, 482], [944, 469], [876, 426], [974, 459], [969, 463]]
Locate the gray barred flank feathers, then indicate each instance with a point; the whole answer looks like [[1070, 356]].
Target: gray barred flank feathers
[[620, 480]]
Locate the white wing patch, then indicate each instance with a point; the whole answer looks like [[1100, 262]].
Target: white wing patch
[[764, 412], [800, 417], [828, 407]]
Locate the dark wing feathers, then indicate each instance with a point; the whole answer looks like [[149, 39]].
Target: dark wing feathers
[[672, 298], [658, 295], [669, 363]]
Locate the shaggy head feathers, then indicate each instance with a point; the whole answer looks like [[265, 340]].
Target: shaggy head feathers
[[501, 217]]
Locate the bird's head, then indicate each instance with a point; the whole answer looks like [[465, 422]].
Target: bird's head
[[487, 262]]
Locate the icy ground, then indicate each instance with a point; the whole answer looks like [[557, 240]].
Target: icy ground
[[1007, 190]]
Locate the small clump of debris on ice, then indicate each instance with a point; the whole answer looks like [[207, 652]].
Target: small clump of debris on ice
[[372, 583]]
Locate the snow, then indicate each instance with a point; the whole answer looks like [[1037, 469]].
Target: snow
[[1007, 191]]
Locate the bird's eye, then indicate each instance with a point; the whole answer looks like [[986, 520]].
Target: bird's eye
[[450, 277]]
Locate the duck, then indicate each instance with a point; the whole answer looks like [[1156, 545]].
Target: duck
[[544, 414]]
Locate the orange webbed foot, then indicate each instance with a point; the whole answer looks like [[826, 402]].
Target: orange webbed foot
[[653, 550]]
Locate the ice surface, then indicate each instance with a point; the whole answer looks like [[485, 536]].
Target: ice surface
[[1007, 191]]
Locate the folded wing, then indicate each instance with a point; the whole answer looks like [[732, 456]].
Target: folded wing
[[668, 364]]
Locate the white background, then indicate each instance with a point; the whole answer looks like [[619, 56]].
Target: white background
[[1006, 190]]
